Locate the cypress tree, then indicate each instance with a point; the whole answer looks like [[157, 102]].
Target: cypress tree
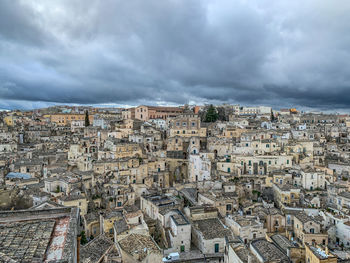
[[211, 115], [87, 120]]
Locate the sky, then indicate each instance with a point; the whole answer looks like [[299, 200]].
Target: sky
[[115, 52]]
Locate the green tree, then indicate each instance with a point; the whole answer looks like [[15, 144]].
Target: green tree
[[211, 115], [272, 116], [87, 120], [83, 239]]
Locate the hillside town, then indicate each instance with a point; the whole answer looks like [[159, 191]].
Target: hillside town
[[213, 183]]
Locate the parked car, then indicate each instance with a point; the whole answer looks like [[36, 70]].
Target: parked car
[[171, 257]]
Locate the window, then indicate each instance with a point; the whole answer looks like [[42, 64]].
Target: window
[[216, 248]]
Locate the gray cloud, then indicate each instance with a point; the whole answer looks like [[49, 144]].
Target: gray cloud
[[129, 52]]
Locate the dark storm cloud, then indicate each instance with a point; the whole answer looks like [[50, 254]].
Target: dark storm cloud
[[129, 52], [16, 25]]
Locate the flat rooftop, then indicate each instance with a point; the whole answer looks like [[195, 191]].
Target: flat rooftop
[[180, 219]]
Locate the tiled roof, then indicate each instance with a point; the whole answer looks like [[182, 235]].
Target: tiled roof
[[268, 251], [211, 228], [138, 245], [37, 235], [25, 241], [94, 250]]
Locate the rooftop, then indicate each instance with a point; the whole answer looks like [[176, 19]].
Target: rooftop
[[320, 253], [268, 251], [287, 187], [211, 228], [38, 235], [180, 219], [247, 221], [345, 194], [160, 200], [244, 254], [282, 242], [304, 218], [18, 175], [67, 198], [96, 249], [139, 245]]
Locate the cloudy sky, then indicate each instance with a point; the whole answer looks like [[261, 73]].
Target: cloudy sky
[[116, 52]]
